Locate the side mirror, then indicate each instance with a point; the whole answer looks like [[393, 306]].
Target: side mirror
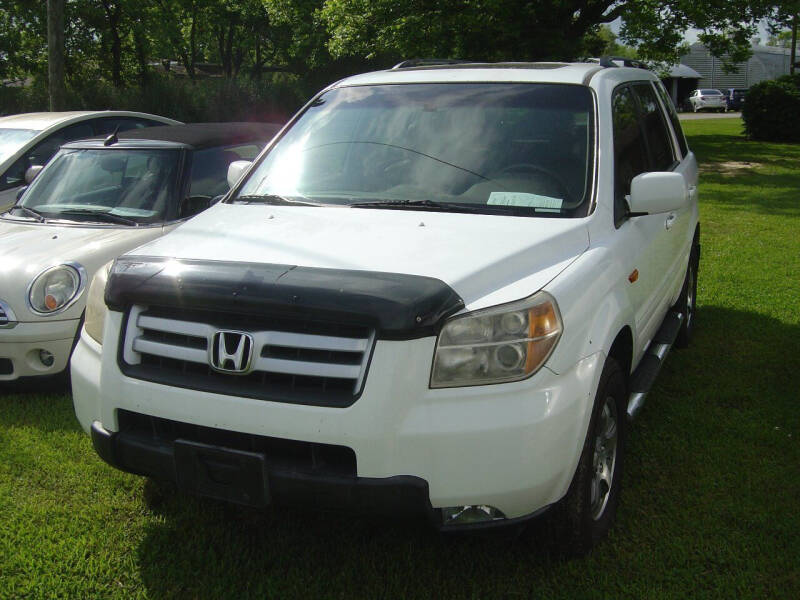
[[235, 171], [21, 191], [32, 172], [657, 192]]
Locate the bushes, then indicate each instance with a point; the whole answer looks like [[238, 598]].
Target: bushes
[[274, 98], [772, 110]]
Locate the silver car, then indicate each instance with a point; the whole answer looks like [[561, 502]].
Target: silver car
[[708, 99], [31, 139]]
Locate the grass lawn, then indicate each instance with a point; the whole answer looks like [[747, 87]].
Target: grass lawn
[[711, 506]]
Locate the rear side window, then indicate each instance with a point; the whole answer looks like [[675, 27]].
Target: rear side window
[[673, 118], [630, 152], [662, 157]]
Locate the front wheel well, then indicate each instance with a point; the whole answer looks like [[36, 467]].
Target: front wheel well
[[622, 350]]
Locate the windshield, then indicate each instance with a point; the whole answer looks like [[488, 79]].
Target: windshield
[[11, 140], [711, 92], [522, 149], [138, 186]]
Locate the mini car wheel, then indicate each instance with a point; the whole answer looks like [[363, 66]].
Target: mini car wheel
[[583, 517], [687, 302]]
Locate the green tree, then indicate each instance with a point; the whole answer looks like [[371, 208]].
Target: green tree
[[538, 29], [786, 15]]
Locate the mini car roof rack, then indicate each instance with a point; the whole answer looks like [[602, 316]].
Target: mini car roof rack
[[431, 62]]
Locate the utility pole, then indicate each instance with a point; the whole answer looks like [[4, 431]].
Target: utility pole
[[55, 54]]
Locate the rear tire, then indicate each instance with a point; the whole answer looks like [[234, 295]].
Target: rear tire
[[583, 517]]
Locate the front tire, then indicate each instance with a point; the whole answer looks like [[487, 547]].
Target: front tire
[[584, 516], [687, 302]]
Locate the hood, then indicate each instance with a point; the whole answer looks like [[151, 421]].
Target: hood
[[28, 249], [479, 256]]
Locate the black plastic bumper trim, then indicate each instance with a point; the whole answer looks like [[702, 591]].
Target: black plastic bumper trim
[[397, 496]]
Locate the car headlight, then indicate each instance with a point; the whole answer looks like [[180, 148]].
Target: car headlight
[[95, 319], [499, 344], [56, 288]]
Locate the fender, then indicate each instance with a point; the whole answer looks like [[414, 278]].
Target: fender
[[595, 307]]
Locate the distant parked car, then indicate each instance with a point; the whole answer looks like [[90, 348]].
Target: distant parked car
[[31, 139], [707, 99], [93, 201], [734, 97]]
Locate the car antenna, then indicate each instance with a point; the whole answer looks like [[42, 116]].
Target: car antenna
[[112, 139]]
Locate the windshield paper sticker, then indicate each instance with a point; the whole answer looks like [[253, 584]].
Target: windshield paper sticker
[[523, 199]]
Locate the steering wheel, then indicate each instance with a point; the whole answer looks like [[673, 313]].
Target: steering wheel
[[531, 168]]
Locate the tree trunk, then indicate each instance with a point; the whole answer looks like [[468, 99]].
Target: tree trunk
[[192, 44], [114, 16], [794, 45], [55, 54], [141, 56]]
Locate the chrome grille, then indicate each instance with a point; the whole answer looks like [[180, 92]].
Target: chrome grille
[[294, 360], [7, 318]]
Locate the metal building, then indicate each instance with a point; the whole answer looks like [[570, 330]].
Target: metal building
[[767, 62]]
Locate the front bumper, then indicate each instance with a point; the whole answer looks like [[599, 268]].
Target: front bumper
[[142, 454], [513, 446], [20, 347]]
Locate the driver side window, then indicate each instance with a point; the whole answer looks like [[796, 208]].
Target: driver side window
[[630, 152]]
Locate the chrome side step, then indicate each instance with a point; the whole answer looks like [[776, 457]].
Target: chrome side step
[[643, 378]]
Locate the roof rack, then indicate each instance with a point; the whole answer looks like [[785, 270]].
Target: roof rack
[[621, 61], [430, 62]]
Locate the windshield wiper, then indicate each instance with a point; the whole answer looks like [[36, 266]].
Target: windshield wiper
[[101, 215], [274, 199], [426, 204], [34, 214]]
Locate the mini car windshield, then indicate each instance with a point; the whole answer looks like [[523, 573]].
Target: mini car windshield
[[501, 148], [11, 140], [117, 186]]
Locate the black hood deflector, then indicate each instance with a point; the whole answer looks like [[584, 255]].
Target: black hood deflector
[[397, 305]]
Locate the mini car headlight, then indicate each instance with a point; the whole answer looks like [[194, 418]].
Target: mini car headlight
[[499, 344], [96, 309], [56, 288]]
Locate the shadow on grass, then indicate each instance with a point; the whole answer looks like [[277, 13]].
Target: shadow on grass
[[43, 403], [742, 371], [753, 191], [208, 550], [53, 384], [718, 148]]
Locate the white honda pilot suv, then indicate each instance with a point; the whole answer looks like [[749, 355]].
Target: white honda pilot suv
[[441, 290]]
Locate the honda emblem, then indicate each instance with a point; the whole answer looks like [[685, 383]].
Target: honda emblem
[[231, 352]]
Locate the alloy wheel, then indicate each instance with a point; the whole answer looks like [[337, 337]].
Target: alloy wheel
[[605, 458]]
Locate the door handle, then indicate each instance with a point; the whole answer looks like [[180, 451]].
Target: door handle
[[670, 220], [692, 192]]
